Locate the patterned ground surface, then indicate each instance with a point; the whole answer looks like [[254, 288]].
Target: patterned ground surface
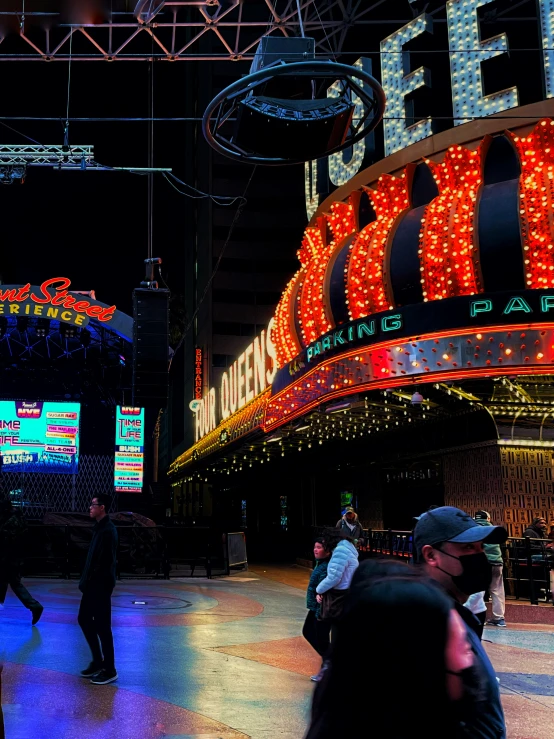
[[218, 659]]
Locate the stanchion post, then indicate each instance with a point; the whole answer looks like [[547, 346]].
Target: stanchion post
[[532, 594]]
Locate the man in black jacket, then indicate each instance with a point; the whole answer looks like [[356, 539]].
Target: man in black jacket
[[12, 533], [97, 584], [450, 550]]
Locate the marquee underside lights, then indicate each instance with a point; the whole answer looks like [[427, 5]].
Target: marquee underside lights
[[519, 350], [398, 83], [467, 52]]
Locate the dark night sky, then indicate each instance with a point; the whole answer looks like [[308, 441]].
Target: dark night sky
[[92, 226]]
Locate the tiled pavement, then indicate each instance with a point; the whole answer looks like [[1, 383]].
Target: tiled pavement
[[208, 659]]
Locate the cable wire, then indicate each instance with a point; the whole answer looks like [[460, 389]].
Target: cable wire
[[236, 217], [217, 199]]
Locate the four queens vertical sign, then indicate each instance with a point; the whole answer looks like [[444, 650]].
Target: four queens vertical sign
[[129, 450]]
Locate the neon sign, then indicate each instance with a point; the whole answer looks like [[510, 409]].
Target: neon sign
[[467, 51], [246, 378], [198, 375], [129, 450], [52, 300]]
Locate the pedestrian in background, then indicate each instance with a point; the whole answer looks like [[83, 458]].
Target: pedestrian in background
[[496, 588], [97, 584], [350, 526], [476, 604], [12, 534], [315, 631], [395, 620]]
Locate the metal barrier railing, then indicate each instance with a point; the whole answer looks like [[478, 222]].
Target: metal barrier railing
[[528, 563], [143, 552]]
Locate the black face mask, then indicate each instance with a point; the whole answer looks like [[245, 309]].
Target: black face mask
[[476, 572]]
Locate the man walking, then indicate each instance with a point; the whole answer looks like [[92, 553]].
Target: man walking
[[449, 546], [350, 525], [496, 588], [12, 532], [97, 584]]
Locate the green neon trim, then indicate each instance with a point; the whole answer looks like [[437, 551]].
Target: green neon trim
[[391, 323], [479, 306], [516, 304], [366, 329], [547, 302]]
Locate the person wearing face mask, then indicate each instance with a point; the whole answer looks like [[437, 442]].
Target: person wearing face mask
[[450, 550], [396, 618]]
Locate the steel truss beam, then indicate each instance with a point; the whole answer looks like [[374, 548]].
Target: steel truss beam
[[37, 155], [178, 31]]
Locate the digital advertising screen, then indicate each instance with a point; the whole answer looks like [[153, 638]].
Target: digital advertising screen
[[37, 436], [129, 450]]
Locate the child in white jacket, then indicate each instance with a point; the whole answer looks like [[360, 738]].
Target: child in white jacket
[[342, 566]]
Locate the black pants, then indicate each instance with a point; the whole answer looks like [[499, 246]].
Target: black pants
[[95, 620], [13, 579], [316, 633]]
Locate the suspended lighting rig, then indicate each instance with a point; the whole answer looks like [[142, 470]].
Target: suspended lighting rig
[[16, 158]]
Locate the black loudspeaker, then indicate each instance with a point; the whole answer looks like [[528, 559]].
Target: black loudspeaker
[[150, 348]]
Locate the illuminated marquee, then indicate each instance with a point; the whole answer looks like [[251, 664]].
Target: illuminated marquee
[[467, 52], [54, 301], [246, 378]]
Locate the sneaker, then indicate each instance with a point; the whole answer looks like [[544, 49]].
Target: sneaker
[[104, 677], [319, 676], [37, 613], [501, 622], [92, 670]]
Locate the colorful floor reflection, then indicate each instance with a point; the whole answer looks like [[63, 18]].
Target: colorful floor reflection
[[201, 659]]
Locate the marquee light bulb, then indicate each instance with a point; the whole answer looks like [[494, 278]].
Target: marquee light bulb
[[467, 52], [398, 83]]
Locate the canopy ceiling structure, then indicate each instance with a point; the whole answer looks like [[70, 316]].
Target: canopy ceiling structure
[[171, 30]]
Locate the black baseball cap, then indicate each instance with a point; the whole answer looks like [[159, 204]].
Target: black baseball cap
[[452, 524]]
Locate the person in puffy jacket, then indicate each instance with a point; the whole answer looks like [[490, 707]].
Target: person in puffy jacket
[[332, 590], [315, 631], [496, 588]]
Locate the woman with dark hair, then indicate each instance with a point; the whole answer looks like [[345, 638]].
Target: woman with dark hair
[[315, 631], [402, 625]]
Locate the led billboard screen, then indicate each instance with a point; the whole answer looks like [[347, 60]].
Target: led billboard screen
[[129, 450], [38, 436]]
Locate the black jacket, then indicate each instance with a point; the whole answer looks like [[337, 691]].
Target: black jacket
[[12, 532], [99, 570]]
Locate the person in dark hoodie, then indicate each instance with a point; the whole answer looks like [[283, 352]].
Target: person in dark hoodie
[[12, 533], [350, 526], [396, 617], [315, 631], [97, 583]]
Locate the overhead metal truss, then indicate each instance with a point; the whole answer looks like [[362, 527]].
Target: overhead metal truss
[[36, 155], [177, 30]]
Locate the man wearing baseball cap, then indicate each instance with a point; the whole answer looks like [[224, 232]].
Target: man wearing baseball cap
[[449, 547]]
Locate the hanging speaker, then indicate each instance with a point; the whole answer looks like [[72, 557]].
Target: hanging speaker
[[150, 348]]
